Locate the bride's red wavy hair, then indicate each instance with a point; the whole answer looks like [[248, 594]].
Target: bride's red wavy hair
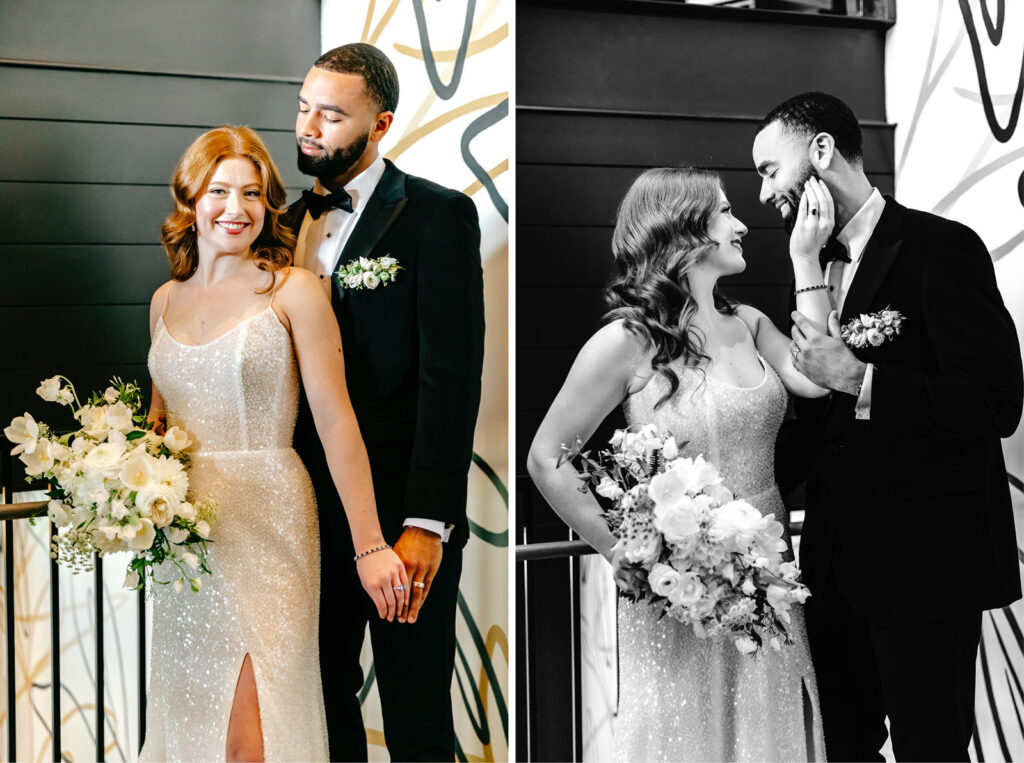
[[275, 244]]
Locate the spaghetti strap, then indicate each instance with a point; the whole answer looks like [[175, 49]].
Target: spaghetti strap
[[167, 299], [277, 281]]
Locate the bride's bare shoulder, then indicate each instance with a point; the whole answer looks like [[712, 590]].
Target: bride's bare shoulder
[[618, 352]]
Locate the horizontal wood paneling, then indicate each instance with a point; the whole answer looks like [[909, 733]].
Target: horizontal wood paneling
[[77, 336], [589, 195], [587, 137], [80, 275], [104, 152], [85, 213], [242, 38], [144, 99], [661, 63]]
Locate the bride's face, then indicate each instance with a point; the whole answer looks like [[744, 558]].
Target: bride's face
[[230, 212], [727, 231]]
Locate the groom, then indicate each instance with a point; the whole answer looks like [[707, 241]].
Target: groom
[[413, 357], [909, 533]]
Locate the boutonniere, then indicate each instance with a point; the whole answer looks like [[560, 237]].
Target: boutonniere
[[365, 273], [872, 329]]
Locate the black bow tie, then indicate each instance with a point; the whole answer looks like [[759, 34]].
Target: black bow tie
[[833, 251], [317, 204]]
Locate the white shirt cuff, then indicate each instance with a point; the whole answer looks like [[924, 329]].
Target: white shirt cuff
[[863, 410], [434, 525]]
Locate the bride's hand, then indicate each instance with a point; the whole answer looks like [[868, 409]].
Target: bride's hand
[[381, 573], [816, 216], [627, 575]]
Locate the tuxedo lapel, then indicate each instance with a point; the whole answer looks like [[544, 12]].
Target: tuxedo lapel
[[385, 205], [876, 261]]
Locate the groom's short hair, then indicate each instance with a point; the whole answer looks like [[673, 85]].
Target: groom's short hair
[[371, 64], [813, 112]]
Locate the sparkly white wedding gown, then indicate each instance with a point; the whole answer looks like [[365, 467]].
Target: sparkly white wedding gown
[[237, 397], [683, 698]]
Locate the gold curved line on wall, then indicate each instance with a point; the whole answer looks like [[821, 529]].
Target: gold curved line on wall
[[496, 170], [375, 736], [431, 98], [477, 46], [369, 20], [412, 136], [382, 24]]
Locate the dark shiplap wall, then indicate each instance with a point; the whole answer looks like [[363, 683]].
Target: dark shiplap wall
[[601, 95], [97, 102]]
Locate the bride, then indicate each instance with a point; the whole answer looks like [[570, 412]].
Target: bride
[[234, 667], [677, 353]]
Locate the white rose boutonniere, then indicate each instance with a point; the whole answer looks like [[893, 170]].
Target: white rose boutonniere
[[873, 329], [365, 273]]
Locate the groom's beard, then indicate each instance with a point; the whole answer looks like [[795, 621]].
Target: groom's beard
[[328, 166], [793, 194]]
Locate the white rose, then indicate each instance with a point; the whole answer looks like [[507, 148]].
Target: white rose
[[679, 521], [23, 432], [94, 421], [137, 472], [58, 513], [353, 280], [111, 395], [176, 535], [609, 488], [735, 524], [387, 262], [875, 337], [190, 559], [119, 417], [178, 585], [689, 591], [38, 460], [104, 458], [144, 536], [203, 529], [176, 439], [186, 511], [365, 263], [746, 645], [131, 580], [868, 321], [371, 280], [719, 494], [664, 580], [49, 389]]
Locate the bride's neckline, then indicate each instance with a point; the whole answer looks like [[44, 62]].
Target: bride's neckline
[[764, 377], [268, 308]]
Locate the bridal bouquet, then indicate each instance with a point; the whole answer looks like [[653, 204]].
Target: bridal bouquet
[[115, 484], [713, 561]]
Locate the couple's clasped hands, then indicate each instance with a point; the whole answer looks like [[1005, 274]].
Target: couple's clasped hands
[[386, 574]]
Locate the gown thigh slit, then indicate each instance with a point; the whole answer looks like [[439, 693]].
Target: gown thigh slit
[[685, 698], [245, 730]]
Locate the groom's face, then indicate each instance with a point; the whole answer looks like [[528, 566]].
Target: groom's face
[[333, 126], [784, 164]]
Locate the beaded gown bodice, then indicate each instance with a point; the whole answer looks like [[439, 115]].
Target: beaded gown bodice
[[684, 698], [237, 397]]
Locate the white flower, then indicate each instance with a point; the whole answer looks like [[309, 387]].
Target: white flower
[[609, 488], [670, 450], [119, 417], [170, 472], [176, 535], [680, 520], [190, 559], [371, 280], [38, 460], [664, 580], [104, 458], [775, 644], [186, 511], [685, 476], [800, 594], [49, 389], [874, 337], [748, 587], [176, 439], [23, 432], [94, 421], [178, 585], [196, 584], [387, 262], [131, 580], [735, 525], [366, 264], [746, 645], [789, 571], [354, 280], [65, 396], [778, 597], [203, 529], [689, 591], [58, 513], [719, 494], [137, 472], [145, 534], [111, 395], [118, 509], [157, 502]]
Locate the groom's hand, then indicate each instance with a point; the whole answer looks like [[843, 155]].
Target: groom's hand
[[421, 551], [824, 358]]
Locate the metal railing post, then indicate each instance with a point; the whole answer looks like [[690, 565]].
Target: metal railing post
[[55, 683], [100, 714]]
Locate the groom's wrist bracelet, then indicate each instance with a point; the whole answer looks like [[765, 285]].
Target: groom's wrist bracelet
[[810, 288], [357, 557]]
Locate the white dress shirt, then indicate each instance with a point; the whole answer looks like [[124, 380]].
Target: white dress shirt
[[854, 237], [318, 249]]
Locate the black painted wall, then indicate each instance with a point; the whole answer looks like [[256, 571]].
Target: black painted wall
[[604, 91], [98, 100]]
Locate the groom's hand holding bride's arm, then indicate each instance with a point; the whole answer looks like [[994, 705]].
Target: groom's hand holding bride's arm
[[824, 358], [308, 316]]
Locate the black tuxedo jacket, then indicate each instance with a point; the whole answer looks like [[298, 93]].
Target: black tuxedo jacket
[[413, 357], [910, 510]]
